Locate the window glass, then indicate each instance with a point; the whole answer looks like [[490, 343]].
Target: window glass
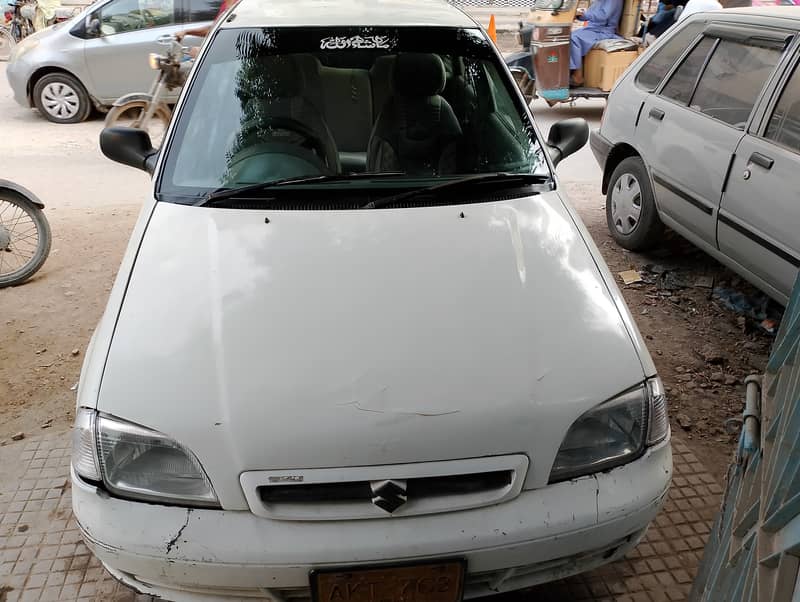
[[681, 85], [662, 58], [417, 103], [784, 126], [199, 10], [732, 81], [122, 16]]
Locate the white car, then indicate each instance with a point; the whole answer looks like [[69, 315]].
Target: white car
[[361, 347]]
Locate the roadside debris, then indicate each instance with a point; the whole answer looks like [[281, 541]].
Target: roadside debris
[[630, 277], [18, 436], [684, 421], [76, 351], [47, 423], [757, 306]]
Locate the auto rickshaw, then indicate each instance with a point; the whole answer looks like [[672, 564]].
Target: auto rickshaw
[[542, 67]]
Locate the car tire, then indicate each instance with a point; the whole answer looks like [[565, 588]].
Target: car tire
[[631, 212], [61, 98]]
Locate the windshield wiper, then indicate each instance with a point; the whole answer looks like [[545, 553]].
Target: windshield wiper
[[502, 178], [223, 194]]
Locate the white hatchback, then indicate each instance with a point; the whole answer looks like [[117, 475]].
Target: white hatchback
[[361, 348]]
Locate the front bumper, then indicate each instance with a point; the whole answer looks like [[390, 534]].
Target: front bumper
[[542, 535], [17, 74], [601, 147]]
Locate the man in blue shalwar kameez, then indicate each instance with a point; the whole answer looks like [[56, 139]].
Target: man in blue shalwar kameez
[[603, 18]]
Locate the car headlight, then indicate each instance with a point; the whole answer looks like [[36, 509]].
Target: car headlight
[[614, 433], [26, 45], [138, 463], [154, 60]]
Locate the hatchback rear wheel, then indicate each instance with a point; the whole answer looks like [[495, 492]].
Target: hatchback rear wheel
[[631, 211]]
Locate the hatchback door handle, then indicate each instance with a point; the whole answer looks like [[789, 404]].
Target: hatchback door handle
[[762, 161], [657, 114]]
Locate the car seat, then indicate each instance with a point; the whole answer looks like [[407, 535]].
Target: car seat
[[417, 131]]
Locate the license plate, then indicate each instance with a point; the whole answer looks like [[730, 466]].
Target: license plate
[[434, 582]]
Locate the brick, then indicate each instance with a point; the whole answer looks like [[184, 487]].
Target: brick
[[649, 582], [36, 581], [682, 576], [74, 577], [646, 549], [51, 594], [70, 591], [55, 580], [695, 543], [87, 589], [79, 562], [31, 595], [48, 553], [656, 564], [665, 578]]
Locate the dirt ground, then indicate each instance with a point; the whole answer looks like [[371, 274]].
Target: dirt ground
[[702, 350]]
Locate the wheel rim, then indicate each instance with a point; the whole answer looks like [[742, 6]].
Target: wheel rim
[[60, 100], [19, 238], [626, 203]]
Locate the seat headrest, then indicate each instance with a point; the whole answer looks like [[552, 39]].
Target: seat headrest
[[272, 77], [418, 74]]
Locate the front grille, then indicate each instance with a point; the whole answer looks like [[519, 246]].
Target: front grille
[[360, 490], [384, 491]]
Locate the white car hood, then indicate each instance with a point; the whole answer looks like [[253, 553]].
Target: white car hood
[[348, 338]]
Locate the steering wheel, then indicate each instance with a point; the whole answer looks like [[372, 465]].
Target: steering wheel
[[310, 155], [310, 140]]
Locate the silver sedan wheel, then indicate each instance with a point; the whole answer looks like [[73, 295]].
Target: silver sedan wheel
[[626, 203], [60, 100]]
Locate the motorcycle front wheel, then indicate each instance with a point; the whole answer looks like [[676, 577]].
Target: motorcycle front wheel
[[24, 238], [7, 43], [131, 114]]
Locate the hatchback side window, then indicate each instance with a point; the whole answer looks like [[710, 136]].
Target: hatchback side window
[[663, 57], [122, 16], [784, 126], [732, 81], [681, 85], [193, 11]]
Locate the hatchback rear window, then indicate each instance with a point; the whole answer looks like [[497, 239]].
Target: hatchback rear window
[[423, 102], [732, 81]]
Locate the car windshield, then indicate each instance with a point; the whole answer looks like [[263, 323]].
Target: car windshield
[[412, 106]]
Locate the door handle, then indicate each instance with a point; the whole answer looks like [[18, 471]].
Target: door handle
[[656, 114], [762, 161]]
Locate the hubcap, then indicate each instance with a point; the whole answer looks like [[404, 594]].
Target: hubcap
[[60, 100], [626, 203]]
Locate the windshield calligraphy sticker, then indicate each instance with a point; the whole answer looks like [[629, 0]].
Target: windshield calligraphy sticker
[[355, 43]]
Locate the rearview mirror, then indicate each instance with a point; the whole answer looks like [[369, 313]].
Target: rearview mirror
[[129, 146], [92, 25], [567, 137]]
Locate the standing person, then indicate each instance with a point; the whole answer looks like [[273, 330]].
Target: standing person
[[602, 20], [45, 13], [699, 6]]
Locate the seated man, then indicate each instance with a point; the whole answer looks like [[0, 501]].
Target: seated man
[[603, 18]]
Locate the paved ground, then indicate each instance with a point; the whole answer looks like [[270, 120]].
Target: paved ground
[[42, 557]]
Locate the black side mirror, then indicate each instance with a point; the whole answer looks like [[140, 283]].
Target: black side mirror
[[566, 137], [92, 25], [129, 146]]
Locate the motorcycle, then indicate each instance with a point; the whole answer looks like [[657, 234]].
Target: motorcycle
[[150, 112], [18, 24], [541, 67], [24, 234]]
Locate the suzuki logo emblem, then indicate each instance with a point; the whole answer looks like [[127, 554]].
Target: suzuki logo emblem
[[388, 495]]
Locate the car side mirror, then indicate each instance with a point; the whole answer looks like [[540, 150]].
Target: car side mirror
[[129, 146], [567, 137], [93, 25]]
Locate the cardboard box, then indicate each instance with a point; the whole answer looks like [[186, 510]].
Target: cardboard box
[[602, 69]]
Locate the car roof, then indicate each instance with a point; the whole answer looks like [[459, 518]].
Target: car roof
[[342, 13], [783, 12]]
